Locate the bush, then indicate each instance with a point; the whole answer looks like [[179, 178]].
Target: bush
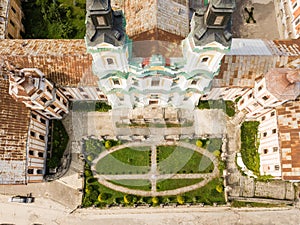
[[108, 144], [219, 188], [199, 143], [90, 158], [88, 173], [155, 200], [217, 153], [128, 199], [180, 199], [102, 197]]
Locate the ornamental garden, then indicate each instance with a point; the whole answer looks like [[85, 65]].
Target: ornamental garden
[[141, 173]]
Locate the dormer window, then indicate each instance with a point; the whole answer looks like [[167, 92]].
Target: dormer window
[[101, 21], [219, 20], [204, 59], [110, 61]]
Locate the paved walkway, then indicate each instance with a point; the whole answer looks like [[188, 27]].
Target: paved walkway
[[154, 175]]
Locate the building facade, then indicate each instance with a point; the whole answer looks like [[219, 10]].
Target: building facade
[[289, 13], [11, 16]]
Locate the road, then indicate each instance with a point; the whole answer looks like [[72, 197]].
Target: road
[[45, 211]]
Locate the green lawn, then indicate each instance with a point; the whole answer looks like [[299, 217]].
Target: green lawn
[[125, 161], [144, 185], [171, 184], [239, 204], [227, 106], [176, 159], [249, 145], [207, 194], [59, 143]]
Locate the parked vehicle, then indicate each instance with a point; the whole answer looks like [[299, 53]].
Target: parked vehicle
[[22, 199]]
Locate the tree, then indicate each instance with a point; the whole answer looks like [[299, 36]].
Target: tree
[[219, 188], [102, 197], [180, 199], [108, 144], [128, 199], [155, 200], [199, 143]]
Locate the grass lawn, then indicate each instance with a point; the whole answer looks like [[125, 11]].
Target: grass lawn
[[144, 185], [171, 184], [249, 145], [207, 194], [126, 161], [227, 106], [60, 140], [176, 159], [239, 204]]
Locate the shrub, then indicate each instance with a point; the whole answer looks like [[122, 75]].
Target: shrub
[[88, 173], [108, 144], [219, 188], [88, 189], [180, 199], [128, 199], [102, 197], [90, 158], [199, 143], [155, 200], [217, 153]]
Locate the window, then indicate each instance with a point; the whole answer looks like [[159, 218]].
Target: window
[[272, 113], [62, 113], [154, 96], [80, 89], [42, 137], [265, 134], [32, 134], [244, 89], [274, 131], [297, 21], [255, 104], [101, 21], [43, 99], [57, 97], [219, 20], [52, 106], [43, 121], [259, 88], [33, 116], [155, 82], [277, 167], [186, 98], [39, 171], [265, 98], [12, 23], [250, 95], [48, 89], [41, 154], [265, 151], [97, 89], [110, 61], [30, 171], [295, 5], [13, 9], [116, 81], [242, 102], [263, 118], [204, 59], [194, 82], [151, 102], [10, 36], [30, 152], [86, 96], [275, 149]]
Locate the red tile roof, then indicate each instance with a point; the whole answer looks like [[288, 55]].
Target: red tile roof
[[14, 125]]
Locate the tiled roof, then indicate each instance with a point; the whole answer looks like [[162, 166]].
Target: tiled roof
[[289, 135], [14, 125], [251, 59], [64, 62]]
